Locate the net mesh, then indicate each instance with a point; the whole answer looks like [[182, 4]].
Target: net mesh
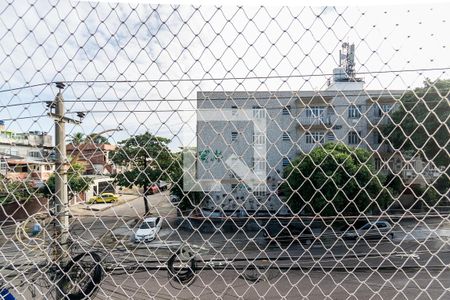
[[156, 151]]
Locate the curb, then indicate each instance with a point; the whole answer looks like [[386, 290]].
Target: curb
[[120, 202]]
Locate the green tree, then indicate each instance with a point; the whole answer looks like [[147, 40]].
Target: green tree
[[76, 182], [12, 191], [188, 199], [77, 139], [147, 159], [421, 123], [96, 139], [333, 179]]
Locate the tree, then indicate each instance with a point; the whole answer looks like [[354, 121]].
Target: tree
[[76, 182], [188, 199], [16, 191], [96, 139], [333, 179], [148, 160], [78, 138], [421, 122]]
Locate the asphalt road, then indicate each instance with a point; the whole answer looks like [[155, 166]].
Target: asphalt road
[[414, 264]]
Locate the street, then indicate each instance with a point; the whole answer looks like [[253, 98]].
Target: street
[[419, 249]]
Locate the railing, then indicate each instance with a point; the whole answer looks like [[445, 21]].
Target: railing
[[322, 120]]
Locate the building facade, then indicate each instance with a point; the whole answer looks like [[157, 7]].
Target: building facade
[[94, 157], [26, 156], [296, 122]]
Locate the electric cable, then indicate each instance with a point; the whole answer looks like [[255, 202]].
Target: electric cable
[[94, 276], [183, 275]]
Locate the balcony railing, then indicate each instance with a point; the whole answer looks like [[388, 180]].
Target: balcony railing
[[308, 121]]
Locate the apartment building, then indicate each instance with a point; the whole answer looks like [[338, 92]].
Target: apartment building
[[296, 122], [25, 156]]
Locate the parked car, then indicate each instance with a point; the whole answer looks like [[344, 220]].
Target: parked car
[[293, 232], [378, 229], [158, 187], [148, 229], [104, 198]]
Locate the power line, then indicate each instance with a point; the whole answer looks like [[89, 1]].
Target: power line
[[20, 104], [254, 77], [226, 78], [25, 87]]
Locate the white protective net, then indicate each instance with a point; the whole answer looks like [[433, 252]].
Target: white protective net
[[160, 152]]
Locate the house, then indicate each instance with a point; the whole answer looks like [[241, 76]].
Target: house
[[94, 157], [26, 156]]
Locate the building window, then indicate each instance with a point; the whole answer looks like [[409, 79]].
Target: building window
[[259, 138], [234, 110], [315, 111], [286, 110], [354, 111], [353, 138], [286, 136], [34, 154], [259, 164], [258, 112], [378, 164], [315, 137], [382, 108], [285, 161], [259, 193], [330, 136], [377, 138], [234, 135]]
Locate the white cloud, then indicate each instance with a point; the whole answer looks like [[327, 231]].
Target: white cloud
[[109, 41]]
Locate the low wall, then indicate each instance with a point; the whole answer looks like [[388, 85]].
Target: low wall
[[17, 211]]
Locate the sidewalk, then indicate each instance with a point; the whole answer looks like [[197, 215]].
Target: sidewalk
[[84, 209]]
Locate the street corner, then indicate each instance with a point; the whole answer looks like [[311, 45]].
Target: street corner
[[104, 206]]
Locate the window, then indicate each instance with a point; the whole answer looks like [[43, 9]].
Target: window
[[314, 137], [259, 193], [353, 138], [234, 135], [285, 161], [354, 111], [259, 138], [286, 110], [34, 154], [258, 112], [234, 109], [315, 111], [382, 108], [286, 136], [259, 164], [330, 136], [377, 164], [377, 138], [381, 225]]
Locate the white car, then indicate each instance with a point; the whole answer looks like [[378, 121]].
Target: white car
[[378, 229], [148, 230]]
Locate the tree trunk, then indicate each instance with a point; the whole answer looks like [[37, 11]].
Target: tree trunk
[[147, 209]]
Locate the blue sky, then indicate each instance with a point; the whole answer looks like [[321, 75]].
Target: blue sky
[[166, 47]]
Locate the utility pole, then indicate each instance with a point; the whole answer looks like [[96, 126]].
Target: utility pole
[[60, 199]]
